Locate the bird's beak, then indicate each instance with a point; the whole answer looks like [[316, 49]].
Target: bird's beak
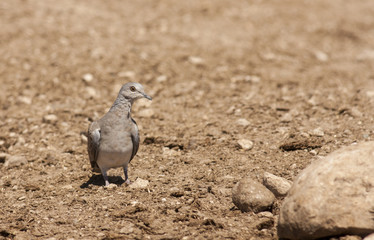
[[147, 97]]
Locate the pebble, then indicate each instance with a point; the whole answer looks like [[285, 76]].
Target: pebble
[[100, 235], [25, 100], [245, 144], [111, 186], [196, 60], [50, 118], [83, 138], [161, 78], [88, 77], [367, 54], [356, 113], [265, 214], [243, 122], [321, 56], [277, 185], [287, 117], [15, 161], [145, 113], [176, 192], [139, 184], [250, 195], [91, 92], [128, 229], [127, 74], [318, 132], [313, 152]]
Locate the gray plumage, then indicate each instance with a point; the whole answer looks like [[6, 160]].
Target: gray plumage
[[113, 140]]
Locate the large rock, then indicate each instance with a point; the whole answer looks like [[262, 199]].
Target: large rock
[[332, 196], [249, 195]]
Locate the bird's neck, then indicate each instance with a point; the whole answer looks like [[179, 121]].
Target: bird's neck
[[122, 105]]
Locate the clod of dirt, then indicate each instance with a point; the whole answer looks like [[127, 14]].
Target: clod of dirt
[[249, 195], [299, 142]]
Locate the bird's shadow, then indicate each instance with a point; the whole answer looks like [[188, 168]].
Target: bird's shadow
[[98, 180]]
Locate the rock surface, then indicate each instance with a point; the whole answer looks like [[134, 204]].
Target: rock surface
[[332, 196], [250, 195], [277, 185]]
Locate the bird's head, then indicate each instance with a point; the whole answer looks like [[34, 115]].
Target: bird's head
[[133, 91]]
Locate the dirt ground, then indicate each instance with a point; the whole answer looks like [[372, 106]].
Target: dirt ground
[[300, 72]]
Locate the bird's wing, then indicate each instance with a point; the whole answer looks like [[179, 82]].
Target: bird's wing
[[93, 144], [135, 139]]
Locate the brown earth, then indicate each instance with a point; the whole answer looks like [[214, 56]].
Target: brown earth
[[300, 72]]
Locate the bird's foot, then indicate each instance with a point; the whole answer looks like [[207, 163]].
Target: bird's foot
[[106, 183], [127, 181]]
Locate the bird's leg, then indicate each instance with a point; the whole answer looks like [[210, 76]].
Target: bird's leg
[[105, 176], [127, 180]]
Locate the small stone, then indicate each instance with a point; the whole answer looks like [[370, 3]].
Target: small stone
[[161, 78], [350, 237], [139, 184], [265, 214], [88, 77], [287, 117], [25, 100], [318, 132], [196, 60], [249, 195], [111, 186], [50, 118], [367, 54], [176, 192], [129, 228], [91, 92], [243, 122], [145, 113], [245, 144], [15, 161], [170, 152], [84, 138], [277, 185], [100, 235], [321, 56], [370, 94], [356, 113], [68, 187], [127, 74], [313, 152]]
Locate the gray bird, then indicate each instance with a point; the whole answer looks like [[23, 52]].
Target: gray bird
[[113, 140]]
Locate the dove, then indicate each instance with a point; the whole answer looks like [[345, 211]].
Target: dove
[[113, 140]]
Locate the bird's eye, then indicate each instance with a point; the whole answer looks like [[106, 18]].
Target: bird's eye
[[132, 88]]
